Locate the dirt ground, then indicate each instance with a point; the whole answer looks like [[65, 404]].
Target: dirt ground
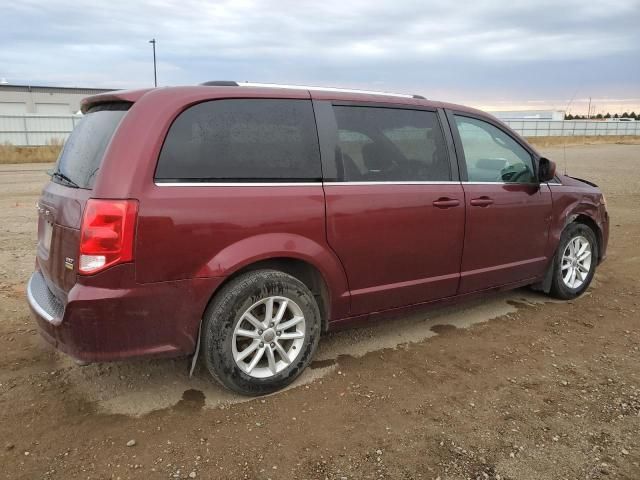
[[511, 387]]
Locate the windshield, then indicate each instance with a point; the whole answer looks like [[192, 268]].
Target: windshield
[[82, 154]]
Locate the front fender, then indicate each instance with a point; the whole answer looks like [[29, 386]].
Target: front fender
[[284, 245], [567, 207]]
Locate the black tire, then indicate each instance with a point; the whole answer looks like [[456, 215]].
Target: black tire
[[559, 289], [225, 312]]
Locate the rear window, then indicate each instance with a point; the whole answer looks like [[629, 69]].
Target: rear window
[[82, 154], [250, 140]]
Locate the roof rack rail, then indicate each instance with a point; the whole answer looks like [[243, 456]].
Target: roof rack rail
[[220, 83], [231, 83], [323, 89]]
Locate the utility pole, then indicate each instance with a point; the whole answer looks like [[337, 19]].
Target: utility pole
[[155, 72]]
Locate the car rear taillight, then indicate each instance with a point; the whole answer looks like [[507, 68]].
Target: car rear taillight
[[107, 234]]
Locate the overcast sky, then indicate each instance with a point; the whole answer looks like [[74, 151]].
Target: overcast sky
[[491, 54]]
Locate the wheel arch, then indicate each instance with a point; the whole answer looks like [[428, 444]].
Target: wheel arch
[[303, 270], [584, 219], [588, 221], [311, 262]]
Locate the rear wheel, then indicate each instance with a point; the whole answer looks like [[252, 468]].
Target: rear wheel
[[575, 261], [260, 332]]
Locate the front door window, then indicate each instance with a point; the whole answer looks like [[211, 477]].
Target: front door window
[[491, 155]]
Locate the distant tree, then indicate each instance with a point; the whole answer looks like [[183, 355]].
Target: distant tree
[[625, 115], [568, 116], [607, 115], [599, 116], [615, 115], [633, 115]]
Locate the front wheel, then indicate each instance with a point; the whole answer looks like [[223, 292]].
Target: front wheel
[[260, 332], [575, 261]]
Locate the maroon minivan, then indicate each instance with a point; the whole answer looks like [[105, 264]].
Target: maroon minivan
[[240, 221]]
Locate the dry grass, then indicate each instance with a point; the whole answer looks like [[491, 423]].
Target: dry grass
[[40, 154], [583, 140]]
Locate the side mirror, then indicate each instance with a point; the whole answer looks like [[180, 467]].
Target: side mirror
[[546, 170]]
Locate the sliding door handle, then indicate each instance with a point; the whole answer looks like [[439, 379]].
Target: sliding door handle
[[481, 202], [446, 202]]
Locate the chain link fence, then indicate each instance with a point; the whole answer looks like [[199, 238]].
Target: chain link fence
[[572, 128], [32, 130]]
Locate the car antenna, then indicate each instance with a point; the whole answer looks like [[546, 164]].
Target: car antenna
[[564, 139]]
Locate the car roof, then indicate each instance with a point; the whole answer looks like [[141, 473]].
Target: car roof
[[218, 90]]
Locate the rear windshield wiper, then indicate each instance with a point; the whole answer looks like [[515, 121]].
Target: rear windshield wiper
[[61, 176]]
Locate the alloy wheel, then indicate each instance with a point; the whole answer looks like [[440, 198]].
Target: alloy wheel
[[268, 337], [576, 262]]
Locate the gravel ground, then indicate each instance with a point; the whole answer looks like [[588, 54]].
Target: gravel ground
[[511, 387]]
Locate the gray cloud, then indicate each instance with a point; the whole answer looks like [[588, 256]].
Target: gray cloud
[[483, 52]]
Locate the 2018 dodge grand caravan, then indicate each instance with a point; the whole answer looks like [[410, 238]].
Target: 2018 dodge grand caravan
[[242, 221]]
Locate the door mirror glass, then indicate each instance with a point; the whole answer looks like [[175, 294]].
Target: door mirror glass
[[546, 170]]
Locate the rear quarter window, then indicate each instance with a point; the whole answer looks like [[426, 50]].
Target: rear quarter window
[[242, 140], [83, 151]]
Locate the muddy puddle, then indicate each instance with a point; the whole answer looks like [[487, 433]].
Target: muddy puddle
[[136, 388]]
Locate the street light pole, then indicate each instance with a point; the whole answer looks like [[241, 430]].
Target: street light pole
[[155, 73]]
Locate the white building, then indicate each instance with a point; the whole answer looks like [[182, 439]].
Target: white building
[[27, 99], [529, 115]]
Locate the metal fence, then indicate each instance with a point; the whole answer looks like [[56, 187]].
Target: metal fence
[[36, 129], [54, 129], [572, 128]]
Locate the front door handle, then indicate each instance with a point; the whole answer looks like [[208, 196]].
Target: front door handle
[[446, 202], [481, 202]]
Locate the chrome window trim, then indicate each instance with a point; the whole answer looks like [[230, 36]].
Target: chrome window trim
[[238, 184], [443, 182], [499, 183], [319, 184], [292, 184]]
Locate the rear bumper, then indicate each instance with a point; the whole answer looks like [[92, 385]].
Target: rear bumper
[[43, 303], [99, 323]]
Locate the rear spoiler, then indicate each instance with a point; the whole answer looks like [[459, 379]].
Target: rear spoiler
[[130, 96]]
